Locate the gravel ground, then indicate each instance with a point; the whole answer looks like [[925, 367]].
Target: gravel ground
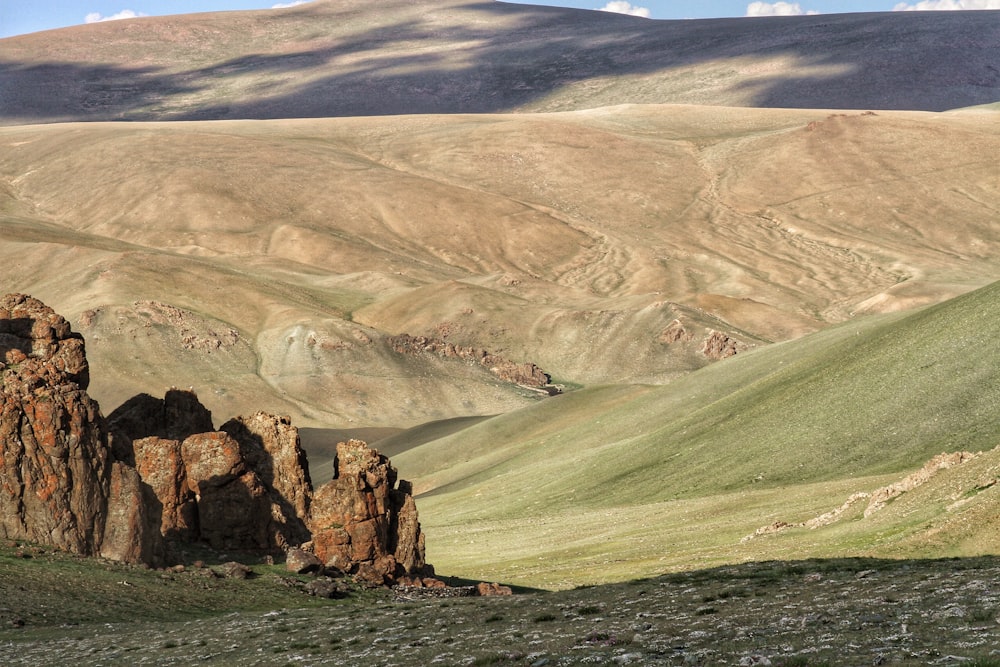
[[842, 612]]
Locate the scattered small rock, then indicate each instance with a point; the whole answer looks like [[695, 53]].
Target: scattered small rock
[[234, 570], [325, 587], [301, 561], [485, 589]]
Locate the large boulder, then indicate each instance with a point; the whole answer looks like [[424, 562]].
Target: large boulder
[[131, 531], [234, 510]]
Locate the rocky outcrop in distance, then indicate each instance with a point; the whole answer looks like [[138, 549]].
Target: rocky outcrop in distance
[[525, 374], [720, 346], [157, 475], [876, 500]]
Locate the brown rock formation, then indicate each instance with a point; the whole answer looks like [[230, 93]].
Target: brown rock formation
[[362, 523], [675, 332], [490, 589], [166, 473], [720, 346], [160, 465], [244, 487], [132, 528], [234, 510], [273, 451], [31, 330]]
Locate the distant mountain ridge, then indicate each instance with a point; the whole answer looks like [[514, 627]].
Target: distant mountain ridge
[[341, 58]]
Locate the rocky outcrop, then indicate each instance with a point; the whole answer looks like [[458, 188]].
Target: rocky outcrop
[[361, 522], [132, 528], [176, 416], [881, 497], [522, 373], [675, 332], [720, 346], [56, 464], [877, 499], [157, 473], [32, 333], [160, 464], [272, 449]]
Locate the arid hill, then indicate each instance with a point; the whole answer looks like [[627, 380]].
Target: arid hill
[[267, 264], [348, 58]]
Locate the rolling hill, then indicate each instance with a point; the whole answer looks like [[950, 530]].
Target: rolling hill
[[266, 263], [611, 482]]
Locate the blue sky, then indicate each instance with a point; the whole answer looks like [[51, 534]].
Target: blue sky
[[23, 16]]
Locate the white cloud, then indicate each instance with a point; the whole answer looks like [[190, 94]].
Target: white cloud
[[777, 9], [623, 7], [95, 17], [286, 5], [943, 5]]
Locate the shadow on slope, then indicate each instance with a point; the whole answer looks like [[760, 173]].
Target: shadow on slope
[[327, 60]]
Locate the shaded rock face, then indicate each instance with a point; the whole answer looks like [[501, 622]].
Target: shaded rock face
[[56, 466], [174, 417], [158, 473], [361, 522], [272, 449], [160, 465], [243, 487], [131, 530]]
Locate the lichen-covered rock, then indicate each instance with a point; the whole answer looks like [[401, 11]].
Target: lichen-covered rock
[[160, 473], [30, 329], [160, 464], [54, 457], [362, 523]]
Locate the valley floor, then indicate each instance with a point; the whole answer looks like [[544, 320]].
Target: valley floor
[[819, 612]]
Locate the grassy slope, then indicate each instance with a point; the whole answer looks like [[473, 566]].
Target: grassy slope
[[787, 432]]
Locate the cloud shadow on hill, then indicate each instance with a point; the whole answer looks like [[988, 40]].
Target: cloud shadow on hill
[[493, 57]]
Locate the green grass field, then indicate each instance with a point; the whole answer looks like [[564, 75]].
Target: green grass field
[[607, 483]]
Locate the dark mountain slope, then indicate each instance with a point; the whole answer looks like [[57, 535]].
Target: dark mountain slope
[[343, 58]]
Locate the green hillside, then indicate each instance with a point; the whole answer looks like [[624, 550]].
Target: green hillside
[[788, 431]]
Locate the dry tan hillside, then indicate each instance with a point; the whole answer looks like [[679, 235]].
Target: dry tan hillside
[[265, 263], [348, 58]]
